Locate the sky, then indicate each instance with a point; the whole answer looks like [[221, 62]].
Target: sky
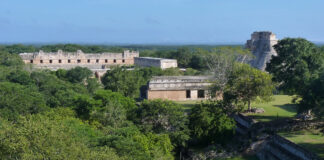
[[157, 21]]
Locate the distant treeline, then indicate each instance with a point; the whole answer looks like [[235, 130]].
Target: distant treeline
[[20, 48]]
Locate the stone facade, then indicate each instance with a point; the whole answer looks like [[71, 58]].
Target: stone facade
[[179, 88], [68, 60], [276, 147], [261, 46], [155, 62]]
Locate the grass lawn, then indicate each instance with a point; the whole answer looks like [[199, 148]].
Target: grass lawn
[[312, 140], [280, 107]]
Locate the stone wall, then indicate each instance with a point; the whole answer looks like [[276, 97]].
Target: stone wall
[[177, 95], [168, 95], [261, 45], [277, 147], [155, 62], [274, 147], [243, 123], [68, 60], [178, 87], [179, 82]]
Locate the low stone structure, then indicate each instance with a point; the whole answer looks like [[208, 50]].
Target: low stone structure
[[257, 110], [273, 146], [261, 45], [179, 88], [68, 60], [243, 123], [155, 62], [277, 147]]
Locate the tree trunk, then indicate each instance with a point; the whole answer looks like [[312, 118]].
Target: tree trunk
[[249, 106], [243, 59], [309, 112]]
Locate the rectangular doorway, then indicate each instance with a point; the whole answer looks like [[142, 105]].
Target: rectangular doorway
[[201, 93], [188, 94]]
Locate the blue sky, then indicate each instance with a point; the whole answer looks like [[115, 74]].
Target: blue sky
[[157, 21]]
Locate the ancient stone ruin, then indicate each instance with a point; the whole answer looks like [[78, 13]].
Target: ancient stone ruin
[[179, 87], [98, 63], [261, 45], [273, 146], [67, 60], [277, 147], [155, 62]]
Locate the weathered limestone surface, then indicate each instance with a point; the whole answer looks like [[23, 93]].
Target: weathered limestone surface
[[155, 62], [261, 44], [178, 87], [179, 82], [169, 95], [68, 60], [274, 147], [277, 147]]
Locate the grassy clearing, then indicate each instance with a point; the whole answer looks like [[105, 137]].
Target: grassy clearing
[[280, 107], [312, 140]]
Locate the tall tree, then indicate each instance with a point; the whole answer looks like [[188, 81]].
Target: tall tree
[[183, 55], [246, 84], [57, 93], [16, 100], [19, 48], [220, 63], [210, 124], [78, 74], [162, 116], [10, 60], [123, 81], [53, 135], [314, 98], [298, 62]]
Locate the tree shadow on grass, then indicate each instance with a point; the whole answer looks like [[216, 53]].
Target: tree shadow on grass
[[288, 107], [305, 139], [317, 149], [263, 118]]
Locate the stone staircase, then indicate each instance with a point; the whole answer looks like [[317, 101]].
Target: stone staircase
[[274, 147]]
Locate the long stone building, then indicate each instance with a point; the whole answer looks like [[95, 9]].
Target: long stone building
[[99, 63], [261, 44], [68, 60], [179, 88]]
